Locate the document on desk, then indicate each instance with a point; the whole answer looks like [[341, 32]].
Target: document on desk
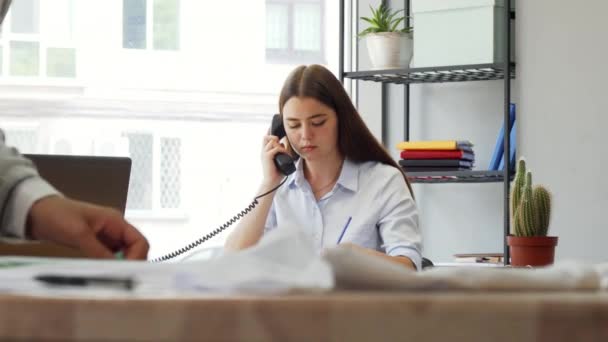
[[282, 262], [356, 270]]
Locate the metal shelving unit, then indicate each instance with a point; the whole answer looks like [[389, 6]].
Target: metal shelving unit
[[441, 74]]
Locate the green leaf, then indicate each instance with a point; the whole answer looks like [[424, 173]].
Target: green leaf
[[370, 21], [383, 19], [374, 13], [397, 22], [366, 31]]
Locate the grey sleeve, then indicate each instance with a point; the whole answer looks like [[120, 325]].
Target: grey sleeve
[[14, 168]]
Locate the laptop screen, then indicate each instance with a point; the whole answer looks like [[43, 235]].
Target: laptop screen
[[99, 180]]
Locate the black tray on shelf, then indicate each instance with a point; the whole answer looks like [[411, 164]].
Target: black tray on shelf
[[453, 73], [468, 176]]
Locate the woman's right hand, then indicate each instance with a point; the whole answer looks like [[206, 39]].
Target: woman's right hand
[[271, 146]]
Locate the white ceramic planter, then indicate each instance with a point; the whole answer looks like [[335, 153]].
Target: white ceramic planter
[[389, 50]]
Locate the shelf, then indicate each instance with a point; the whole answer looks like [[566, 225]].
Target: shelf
[[456, 176], [454, 73]]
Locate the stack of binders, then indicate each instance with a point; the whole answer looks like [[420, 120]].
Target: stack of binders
[[436, 155]]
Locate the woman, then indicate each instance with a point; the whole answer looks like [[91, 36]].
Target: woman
[[346, 188]]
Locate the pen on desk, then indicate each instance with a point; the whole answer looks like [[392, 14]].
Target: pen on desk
[[344, 229], [60, 280]]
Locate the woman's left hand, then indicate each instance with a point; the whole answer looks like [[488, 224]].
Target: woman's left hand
[[399, 259]]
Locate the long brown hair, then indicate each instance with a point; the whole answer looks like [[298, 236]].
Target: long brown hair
[[355, 141]]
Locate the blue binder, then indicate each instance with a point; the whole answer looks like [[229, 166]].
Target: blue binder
[[499, 147], [512, 148]]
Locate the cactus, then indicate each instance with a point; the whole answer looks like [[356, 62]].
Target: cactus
[[518, 184], [542, 201], [531, 205]]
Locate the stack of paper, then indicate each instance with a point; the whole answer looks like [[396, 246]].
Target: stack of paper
[[282, 262]]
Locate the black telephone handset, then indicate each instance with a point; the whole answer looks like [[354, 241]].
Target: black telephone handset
[[283, 162]]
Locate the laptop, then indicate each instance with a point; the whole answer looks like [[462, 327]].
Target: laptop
[[99, 180]]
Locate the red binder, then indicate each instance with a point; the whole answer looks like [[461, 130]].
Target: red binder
[[436, 154]]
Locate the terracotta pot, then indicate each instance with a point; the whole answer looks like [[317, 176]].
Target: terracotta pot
[[532, 251]]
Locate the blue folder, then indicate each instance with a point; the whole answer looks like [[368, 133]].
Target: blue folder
[[499, 147], [512, 150]]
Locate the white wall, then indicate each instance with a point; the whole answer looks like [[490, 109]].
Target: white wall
[[366, 94], [562, 72], [560, 93]]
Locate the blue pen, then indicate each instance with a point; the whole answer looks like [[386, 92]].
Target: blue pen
[[344, 229]]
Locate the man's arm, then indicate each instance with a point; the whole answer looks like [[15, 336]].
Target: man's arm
[[30, 208], [20, 187]]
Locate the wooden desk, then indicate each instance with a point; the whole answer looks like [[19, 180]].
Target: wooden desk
[[338, 316]]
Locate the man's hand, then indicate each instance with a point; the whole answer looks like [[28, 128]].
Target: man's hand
[[98, 232]]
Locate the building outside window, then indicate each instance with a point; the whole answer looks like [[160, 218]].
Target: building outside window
[[151, 24], [35, 45], [155, 182], [295, 31]]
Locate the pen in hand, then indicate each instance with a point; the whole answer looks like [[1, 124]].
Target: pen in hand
[[344, 229], [85, 281]]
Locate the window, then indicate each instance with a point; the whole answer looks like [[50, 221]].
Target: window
[[154, 187], [134, 24], [60, 62], [38, 42], [57, 39], [141, 150], [163, 28], [25, 16], [92, 77], [25, 58], [170, 173], [294, 31]]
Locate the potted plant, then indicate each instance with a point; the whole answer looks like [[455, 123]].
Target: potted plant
[[531, 212], [389, 46]]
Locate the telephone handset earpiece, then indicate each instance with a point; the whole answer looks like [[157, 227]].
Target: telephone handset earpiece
[[283, 161]]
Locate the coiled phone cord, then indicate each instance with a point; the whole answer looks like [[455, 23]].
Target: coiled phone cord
[[217, 230]]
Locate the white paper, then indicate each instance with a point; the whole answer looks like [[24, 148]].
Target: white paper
[[283, 261]]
